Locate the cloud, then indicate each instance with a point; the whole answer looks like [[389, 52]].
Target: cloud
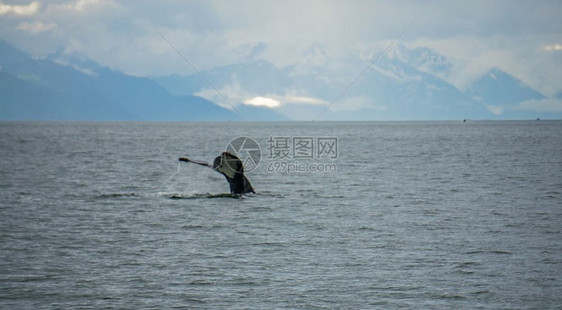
[[19, 10], [236, 94], [521, 55], [553, 47], [263, 102], [276, 100], [549, 105], [82, 4], [232, 92], [303, 100], [336, 39], [542, 105], [36, 27], [495, 109]]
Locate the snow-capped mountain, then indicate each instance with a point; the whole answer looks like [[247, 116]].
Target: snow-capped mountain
[[403, 84], [70, 86]]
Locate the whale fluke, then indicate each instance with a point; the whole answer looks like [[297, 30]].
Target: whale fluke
[[233, 170], [198, 162]]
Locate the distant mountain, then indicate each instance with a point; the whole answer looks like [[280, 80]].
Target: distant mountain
[[69, 86], [424, 59], [501, 92], [40, 89], [411, 92], [403, 84], [259, 77]]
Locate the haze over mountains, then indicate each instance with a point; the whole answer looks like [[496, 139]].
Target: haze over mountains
[[404, 84], [72, 87]]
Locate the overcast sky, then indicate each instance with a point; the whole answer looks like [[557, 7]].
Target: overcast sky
[[523, 38]]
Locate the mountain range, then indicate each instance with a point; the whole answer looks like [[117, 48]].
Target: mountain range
[[72, 87], [405, 84]]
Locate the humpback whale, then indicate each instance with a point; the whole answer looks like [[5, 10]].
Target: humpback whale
[[233, 170]]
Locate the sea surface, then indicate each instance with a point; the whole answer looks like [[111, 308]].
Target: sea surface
[[405, 215]]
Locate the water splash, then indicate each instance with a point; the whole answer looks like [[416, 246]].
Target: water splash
[[166, 184], [173, 174]]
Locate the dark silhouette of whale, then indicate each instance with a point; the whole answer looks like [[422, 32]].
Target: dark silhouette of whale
[[233, 170]]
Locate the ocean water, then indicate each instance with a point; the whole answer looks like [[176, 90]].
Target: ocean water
[[423, 215]]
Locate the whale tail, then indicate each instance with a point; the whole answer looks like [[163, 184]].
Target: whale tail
[[233, 170]]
